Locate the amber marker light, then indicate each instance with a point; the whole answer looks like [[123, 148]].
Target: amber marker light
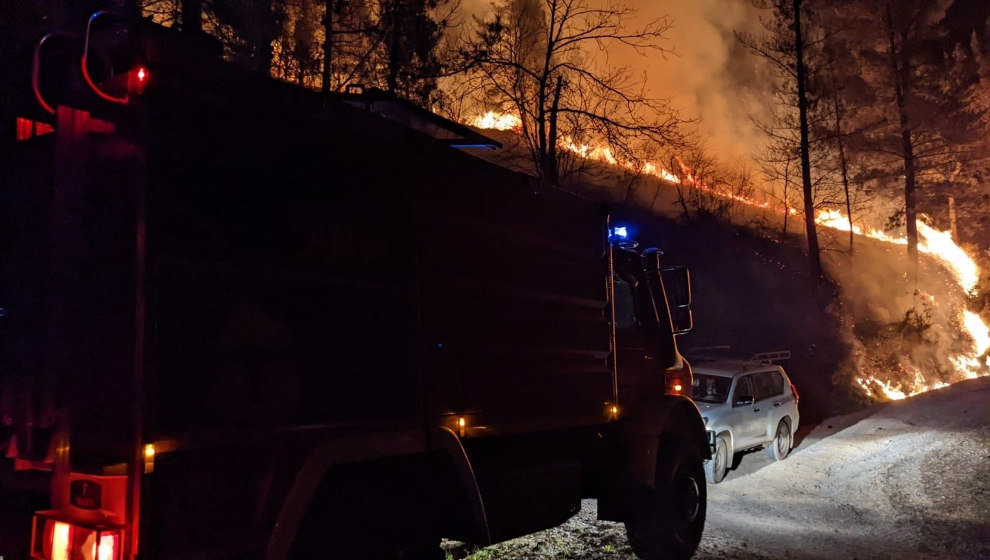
[[612, 411], [149, 458], [461, 426]]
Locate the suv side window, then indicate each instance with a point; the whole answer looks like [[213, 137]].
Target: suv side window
[[743, 390], [778, 382], [763, 385]]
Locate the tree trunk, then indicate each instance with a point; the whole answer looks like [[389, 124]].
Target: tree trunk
[[541, 127], [787, 206], [814, 258], [192, 17], [327, 47], [394, 44], [899, 68], [552, 165], [843, 167]]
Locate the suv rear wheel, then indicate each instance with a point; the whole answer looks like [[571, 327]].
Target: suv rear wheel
[[716, 466], [781, 444]]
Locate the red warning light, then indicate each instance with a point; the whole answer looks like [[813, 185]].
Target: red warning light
[[137, 78]]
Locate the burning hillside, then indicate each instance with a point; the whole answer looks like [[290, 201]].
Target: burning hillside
[[908, 338]]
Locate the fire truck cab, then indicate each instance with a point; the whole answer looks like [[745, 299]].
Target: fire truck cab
[[246, 320]]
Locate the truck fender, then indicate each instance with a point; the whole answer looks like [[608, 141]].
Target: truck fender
[[640, 437], [662, 416], [324, 457], [444, 439]]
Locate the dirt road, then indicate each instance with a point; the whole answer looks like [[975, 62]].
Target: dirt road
[[909, 479]]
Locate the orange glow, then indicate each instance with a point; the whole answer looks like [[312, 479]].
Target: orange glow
[[678, 388], [498, 121], [60, 541], [107, 549], [149, 458]]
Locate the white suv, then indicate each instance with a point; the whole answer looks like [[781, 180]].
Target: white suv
[[744, 405]]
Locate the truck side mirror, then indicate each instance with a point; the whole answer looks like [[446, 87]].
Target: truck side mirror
[[677, 282]]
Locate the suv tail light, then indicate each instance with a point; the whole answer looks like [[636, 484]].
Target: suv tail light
[[796, 397], [55, 539]]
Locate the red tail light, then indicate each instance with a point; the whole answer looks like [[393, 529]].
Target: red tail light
[[27, 129], [796, 397], [55, 539]]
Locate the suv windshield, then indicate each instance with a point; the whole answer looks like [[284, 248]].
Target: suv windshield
[[710, 388]]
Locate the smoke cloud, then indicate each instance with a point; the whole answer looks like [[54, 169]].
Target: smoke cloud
[[712, 77], [709, 76]]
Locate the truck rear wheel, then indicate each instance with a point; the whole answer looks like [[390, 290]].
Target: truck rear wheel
[[668, 521]]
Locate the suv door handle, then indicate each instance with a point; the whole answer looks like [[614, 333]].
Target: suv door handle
[[776, 404], [756, 410]]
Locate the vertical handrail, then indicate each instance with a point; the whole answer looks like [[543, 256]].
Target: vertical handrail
[[36, 74]]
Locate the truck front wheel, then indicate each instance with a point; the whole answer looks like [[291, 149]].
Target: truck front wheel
[[667, 522]]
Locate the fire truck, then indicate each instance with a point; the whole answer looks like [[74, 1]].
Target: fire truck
[[243, 319]]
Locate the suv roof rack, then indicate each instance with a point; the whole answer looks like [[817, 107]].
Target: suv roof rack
[[770, 357], [709, 353]]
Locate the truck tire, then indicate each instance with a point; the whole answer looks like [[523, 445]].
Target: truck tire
[[780, 446], [667, 522], [719, 463]]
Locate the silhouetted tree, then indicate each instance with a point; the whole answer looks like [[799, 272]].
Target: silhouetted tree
[[785, 45], [905, 88], [537, 59]]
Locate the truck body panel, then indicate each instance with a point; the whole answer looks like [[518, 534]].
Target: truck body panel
[[246, 297]]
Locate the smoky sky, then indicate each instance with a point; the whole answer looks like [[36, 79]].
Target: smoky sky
[[709, 76]]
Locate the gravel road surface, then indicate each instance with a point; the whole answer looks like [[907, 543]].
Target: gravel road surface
[[908, 479]]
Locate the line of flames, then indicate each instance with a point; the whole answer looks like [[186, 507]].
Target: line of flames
[[938, 244]]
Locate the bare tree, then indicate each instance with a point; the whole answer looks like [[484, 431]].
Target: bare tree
[[536, 59], [801, 76], [838, 111], [786, 47]]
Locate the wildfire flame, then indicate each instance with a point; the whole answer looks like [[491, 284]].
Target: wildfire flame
[[497, 121], [941, 247], [938, 244]]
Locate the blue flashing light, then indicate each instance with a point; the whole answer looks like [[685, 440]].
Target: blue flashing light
[[621, 236]]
